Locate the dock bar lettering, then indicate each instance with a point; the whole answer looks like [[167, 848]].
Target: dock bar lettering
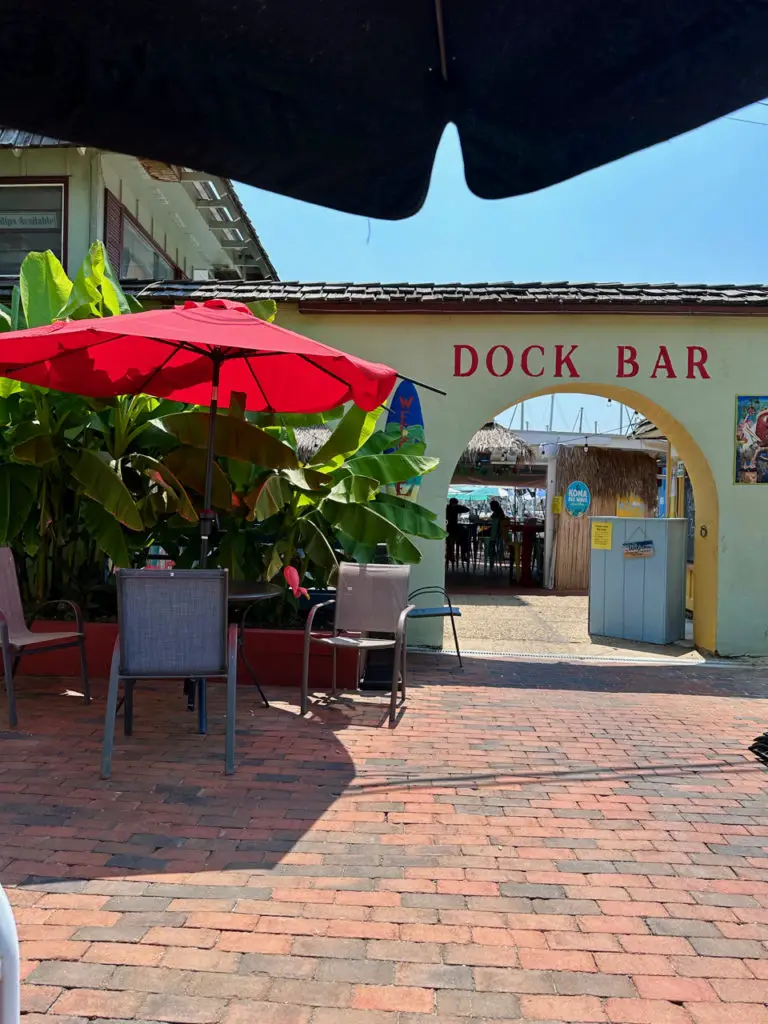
[[562, 361]]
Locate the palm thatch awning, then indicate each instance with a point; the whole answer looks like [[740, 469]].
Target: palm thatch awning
[[492, 443], [496, 443], [609, 473], [646, 430]]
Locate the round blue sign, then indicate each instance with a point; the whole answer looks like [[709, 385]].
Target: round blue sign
[[577, 499]]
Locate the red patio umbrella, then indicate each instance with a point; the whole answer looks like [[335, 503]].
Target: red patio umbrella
[[200, 353]]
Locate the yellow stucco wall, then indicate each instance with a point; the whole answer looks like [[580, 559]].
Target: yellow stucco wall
[[698, 414]]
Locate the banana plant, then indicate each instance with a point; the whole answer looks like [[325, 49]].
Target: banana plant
[[281, 511], [64, 503]]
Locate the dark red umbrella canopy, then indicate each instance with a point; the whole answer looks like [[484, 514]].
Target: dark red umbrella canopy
[[172, 353]]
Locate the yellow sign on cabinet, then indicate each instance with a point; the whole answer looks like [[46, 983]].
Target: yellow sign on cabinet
[[602, 536], [557, 504]]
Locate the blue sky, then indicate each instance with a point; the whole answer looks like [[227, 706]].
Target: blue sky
[[691, 210]]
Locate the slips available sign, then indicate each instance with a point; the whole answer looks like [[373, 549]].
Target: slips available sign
[[29, 220], [562, 361]]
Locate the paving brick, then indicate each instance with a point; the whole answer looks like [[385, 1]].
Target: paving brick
[[740, 948], [556, 960], [576, 983], [586, 1009], [645, 1011], [357, 972], [182, 1009], [266, 1013], [393, 997], [123, 953], [71, 975], [310, 993], [633, 963], [407, 952], [477, 1005], [500, 979], [688, 929], [83, 1002], [148, 979], [676, 990], [434, 976], [741, 991], [732, 1013], [39, 998]]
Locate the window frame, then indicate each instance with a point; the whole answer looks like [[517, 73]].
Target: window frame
[[14, 181], [126, 215]]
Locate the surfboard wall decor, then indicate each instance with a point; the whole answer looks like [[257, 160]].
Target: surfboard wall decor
[[405, 412]]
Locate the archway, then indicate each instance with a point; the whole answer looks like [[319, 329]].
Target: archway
[[702, 481]]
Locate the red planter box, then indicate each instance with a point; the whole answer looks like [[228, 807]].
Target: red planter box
[[274, 653]]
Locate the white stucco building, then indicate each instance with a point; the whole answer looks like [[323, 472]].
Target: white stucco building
[[157, 220]]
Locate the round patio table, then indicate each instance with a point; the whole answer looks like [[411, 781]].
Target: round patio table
[[249, 594]]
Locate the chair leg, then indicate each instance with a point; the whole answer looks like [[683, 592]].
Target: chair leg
[[333, 671], [8, 670], [128, 686], [229, 749], [109, 716], [202, 707], [305, 675], [456, 638], [84, 673], [396, 680], [249, 667]]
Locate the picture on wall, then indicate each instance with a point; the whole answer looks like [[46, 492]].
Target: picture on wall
[[751, 440]]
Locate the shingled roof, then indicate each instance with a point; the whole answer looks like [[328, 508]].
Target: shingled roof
[[555, 296]]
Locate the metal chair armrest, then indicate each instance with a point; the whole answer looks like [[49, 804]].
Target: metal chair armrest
[[311, 617], [401, 622], [79, 621], [431, 590]]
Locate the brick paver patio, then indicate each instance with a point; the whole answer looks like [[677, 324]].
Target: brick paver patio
[[534, 842]]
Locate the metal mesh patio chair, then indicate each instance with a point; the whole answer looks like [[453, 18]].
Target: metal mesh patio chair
[[369, 599], [445, 610], [172, 624], [10, 990], [18, 639]]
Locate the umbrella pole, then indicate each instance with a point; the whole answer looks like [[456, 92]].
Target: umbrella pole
[[206, 516]]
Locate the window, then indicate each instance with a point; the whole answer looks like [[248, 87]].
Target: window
[[31, 219], [141, 259], [132, 252]]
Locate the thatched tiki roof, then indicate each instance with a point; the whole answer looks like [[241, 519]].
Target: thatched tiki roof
[[609, 472], [491, 439], [497, 443]]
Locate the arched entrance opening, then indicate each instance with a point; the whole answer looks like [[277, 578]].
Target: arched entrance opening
[[702, 481]]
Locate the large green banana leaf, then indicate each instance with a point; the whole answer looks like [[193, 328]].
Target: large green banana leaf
[[38, 449], [96, 291], [44, 288], [264, 309], [107, 533], [100, 482], [162, 475], [393, 468], [410, 518], [235, 439], [367, 527], [354, 488], [17, 497], [315, 543], [352, 432], [188, 465], [269, 497]]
